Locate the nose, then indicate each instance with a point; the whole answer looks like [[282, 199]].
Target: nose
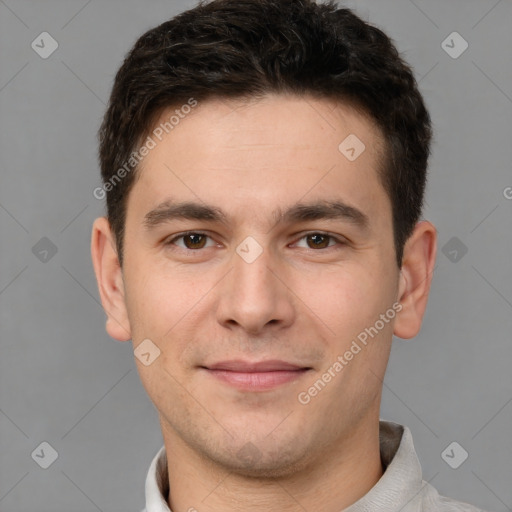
[[254, 296]]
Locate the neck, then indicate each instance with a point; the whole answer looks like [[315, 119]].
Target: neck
[[336, 478]]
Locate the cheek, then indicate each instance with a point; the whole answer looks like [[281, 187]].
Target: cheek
[[349, 300], [157, 300], [172, 307]]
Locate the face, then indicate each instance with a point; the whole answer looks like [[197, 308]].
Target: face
[[257, 255]]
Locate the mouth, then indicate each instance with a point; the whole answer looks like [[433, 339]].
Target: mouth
[[255, 376]]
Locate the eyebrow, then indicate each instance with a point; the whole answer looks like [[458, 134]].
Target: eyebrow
[[169, 210], [301, 212], [321, 210]]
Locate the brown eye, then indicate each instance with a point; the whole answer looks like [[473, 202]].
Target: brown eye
[[191, 241], [194, 241], [318, 241]]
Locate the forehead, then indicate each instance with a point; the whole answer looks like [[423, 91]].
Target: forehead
[[277, 150], [275, 121]]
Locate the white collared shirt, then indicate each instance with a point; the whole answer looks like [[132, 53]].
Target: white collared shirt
[[400, 489]]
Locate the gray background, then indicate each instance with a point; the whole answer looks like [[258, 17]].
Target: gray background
[[64, 381]]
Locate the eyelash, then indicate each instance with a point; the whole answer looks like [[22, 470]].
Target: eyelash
[[338, 241]]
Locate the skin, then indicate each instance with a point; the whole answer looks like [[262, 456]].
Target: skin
[[303, 300]]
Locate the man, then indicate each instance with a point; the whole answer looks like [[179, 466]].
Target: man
[[264, 164]]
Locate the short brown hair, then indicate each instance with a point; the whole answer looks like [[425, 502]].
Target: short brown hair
[[249, 48]]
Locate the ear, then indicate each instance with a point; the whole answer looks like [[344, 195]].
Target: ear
[[415, 279], [110, 279]]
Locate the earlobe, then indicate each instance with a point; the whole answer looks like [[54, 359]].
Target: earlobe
[[415, 279], [110, 280]]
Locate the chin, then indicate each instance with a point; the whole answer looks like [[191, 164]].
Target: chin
[[262, 463]]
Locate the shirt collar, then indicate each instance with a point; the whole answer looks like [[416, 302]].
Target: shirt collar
[[157, 484], [399, 488]]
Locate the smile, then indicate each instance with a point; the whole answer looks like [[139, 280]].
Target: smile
[[260, 376]]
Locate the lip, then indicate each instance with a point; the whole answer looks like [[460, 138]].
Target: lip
[[239, 365], [255, 376]]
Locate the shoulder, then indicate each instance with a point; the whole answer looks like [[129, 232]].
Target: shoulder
[[432, 501]]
